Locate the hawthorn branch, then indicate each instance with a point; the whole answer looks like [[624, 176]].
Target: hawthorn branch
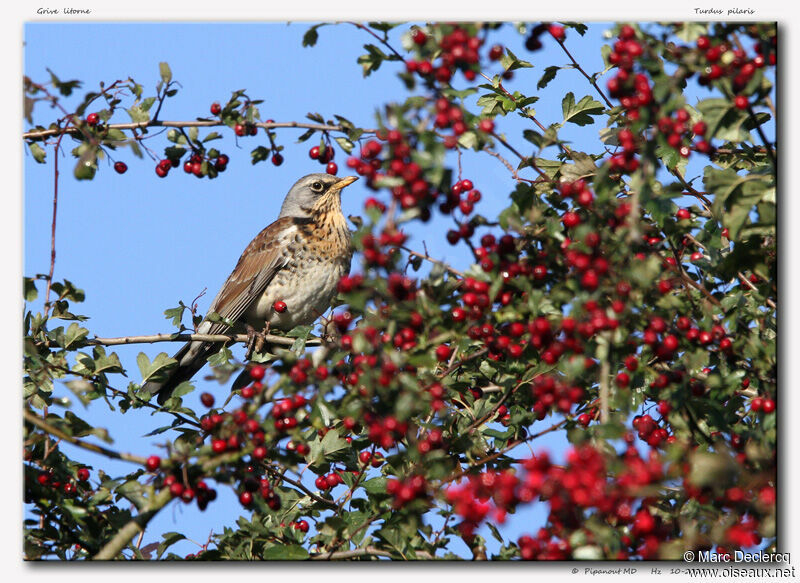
[[135, 526], [46, 427], [588, 78], [351, 554], [432, 260], [152, 338], [200, 123]]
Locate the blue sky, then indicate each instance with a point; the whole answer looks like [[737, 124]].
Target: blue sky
[[137, 244]]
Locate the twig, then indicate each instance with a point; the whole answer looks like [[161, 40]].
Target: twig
[[578, 67], [432, 260], [44, 426], [138, 524], [149, 339], [749, 284], [383, 41], [351, 554]]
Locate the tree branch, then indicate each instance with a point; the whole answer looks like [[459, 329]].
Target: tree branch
[[177, 337], [44, 426], [137, 525], [48, 133]]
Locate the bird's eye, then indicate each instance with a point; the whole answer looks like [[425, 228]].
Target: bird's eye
[[317, 186]]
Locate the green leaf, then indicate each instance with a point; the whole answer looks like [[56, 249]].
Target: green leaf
[[157, 369], [549, 75], [170, 538], [29, 291], [165, 72], [74, 334], [580, 113], [37, 152], [285, 553], [311, 36]]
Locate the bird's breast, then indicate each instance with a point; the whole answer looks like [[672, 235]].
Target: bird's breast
[[317, 261]]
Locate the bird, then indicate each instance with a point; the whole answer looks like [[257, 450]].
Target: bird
[[296, 262]]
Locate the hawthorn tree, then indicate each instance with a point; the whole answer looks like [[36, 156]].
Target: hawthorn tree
[[616, 299]]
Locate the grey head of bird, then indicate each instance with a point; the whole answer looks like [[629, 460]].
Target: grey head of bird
[[305, 193]]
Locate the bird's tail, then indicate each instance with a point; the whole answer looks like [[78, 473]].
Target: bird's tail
[[191, 358]]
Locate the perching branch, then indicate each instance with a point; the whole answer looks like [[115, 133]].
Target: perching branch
[[150, 339]]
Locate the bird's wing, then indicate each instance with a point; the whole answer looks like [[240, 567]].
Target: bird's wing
[[261, 260]]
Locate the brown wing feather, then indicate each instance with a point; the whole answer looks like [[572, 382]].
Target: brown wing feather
[[261, 260]]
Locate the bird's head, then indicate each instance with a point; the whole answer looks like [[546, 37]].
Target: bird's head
[[311, 191]]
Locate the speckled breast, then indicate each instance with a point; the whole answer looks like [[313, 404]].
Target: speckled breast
[[307, 284]]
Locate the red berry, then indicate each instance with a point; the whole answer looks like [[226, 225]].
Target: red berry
[[443, 352], [216, 108], [331, 168], [277, 159], [239, 130], [683, 214], [153, 463], [257, 372], [207, 399], [419, 37], [486, 125], [120, 167], [557, 31], [279, 306], [93, 119], [83, 474], [313, 153], [246, 498], [741, 102]]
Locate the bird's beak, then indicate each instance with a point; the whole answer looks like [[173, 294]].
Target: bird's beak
[[346, 181]]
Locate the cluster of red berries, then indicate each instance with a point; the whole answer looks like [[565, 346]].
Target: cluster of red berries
[[462, 196], [739, 69], [284, 411], [70, 486], [582, 485], [450, 116], [457, 50], [193, 165], [551, 393], [324, 155], [407, 490], [401, 287], [375, 253], [471, 499], [543, 547], [252, 485], [649, 431], [384, 431], [534, 42], [744, 534], [245, 128], [299, 375], [588, 267], [375, 459], [415, 191], [632, 89], [678, 133], [200, 491], [328, 481], [349, 283]]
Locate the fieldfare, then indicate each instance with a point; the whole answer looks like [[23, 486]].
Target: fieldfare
[[297, 260]]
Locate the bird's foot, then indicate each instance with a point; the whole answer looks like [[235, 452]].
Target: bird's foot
[[262, 338], [252, 339]]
